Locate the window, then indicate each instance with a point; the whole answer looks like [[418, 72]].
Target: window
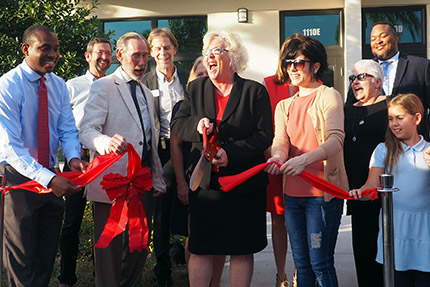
[[326, 27], [323, 25], [409, 23], [189, 32]]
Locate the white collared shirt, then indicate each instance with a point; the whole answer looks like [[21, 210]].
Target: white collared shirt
[[79, 89], [141, 99], [169, 94]]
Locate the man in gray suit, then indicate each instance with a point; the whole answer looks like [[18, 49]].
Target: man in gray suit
[[120, 110]]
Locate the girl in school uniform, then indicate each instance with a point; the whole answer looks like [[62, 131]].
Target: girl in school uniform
[[404, 155]]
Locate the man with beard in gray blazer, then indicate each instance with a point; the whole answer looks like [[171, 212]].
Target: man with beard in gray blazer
[[120, 110]]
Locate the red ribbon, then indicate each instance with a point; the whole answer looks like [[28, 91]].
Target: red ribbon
[[125, 190], [229, 182], [96, 167], [121, 190]]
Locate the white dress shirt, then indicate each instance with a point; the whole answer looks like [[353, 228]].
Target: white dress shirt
[[169, 94], [79, 89], [141, 100]]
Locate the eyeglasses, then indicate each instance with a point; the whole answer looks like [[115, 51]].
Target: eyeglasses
[[298, 64], [215, 51], [101, 53], [360, 77]]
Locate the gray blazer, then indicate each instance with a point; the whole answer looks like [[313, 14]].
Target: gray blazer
[[110, 110]]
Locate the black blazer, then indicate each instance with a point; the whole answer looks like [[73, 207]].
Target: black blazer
[[151, 81], [412, 76], [245, 132]]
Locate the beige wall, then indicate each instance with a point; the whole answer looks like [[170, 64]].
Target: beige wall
[[377, 3], [261, 34], [260, 37], [145, 8]]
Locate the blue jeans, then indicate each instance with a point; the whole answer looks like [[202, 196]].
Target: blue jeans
[[313, 225]]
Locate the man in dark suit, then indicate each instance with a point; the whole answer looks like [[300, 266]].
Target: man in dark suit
[[167, 84], [402, 73]]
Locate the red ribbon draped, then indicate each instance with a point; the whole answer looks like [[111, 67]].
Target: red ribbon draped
[[121, 190], [96, 167], [125, 190], [229, 182]]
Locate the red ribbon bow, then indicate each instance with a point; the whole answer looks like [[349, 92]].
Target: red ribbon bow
[[229, 182], [120, 189], [123, 190]]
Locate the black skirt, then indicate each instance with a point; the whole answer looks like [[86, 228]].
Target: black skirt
[[227, 223]]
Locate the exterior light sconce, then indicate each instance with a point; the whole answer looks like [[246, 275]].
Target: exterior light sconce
[[242, 15]]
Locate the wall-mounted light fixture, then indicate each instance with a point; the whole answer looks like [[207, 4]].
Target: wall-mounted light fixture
[[242, 15]]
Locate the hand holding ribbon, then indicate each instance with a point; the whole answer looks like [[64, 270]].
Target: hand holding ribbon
[[120, 189], [229, 182], [96, 167]]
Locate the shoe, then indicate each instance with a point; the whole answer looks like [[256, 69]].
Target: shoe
[[281, 283]]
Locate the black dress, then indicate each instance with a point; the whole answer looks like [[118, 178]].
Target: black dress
[[234, 222], [365, 128]]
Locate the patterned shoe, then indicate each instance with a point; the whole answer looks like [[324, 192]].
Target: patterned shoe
[[281, 283]]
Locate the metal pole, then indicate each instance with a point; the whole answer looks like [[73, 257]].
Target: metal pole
[[3, 182], [386, 191]]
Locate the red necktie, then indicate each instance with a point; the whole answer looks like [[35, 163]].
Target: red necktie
[[43, 125]]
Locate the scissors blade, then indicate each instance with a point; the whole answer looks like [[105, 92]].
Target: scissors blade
[[198, 172]]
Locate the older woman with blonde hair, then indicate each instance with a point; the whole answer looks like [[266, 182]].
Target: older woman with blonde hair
[[366, 122], [226, 223]]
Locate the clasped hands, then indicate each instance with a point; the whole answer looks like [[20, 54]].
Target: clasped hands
[[293, 166]]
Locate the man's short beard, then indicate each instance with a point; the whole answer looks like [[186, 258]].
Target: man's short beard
[[386, 55], [102, 70], [137, 78], [129, 71]]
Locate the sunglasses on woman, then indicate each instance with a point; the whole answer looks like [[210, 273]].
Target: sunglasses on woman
[[298, 64], [360, 77]]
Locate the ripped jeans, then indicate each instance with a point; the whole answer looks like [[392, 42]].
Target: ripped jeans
[[313, 225]]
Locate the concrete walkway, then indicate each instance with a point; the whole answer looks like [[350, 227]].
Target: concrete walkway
[[265, 269]]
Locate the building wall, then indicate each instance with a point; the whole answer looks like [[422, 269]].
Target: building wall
[[260, 37], [130, 8], [261, 34]]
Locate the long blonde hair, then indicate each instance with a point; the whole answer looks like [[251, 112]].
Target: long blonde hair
[[412, 105], [193, 74]]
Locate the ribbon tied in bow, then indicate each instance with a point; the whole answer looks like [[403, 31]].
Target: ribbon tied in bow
[[127, 207]]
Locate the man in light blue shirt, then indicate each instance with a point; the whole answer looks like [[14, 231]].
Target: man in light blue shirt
[[99, 58], [32, 221]]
